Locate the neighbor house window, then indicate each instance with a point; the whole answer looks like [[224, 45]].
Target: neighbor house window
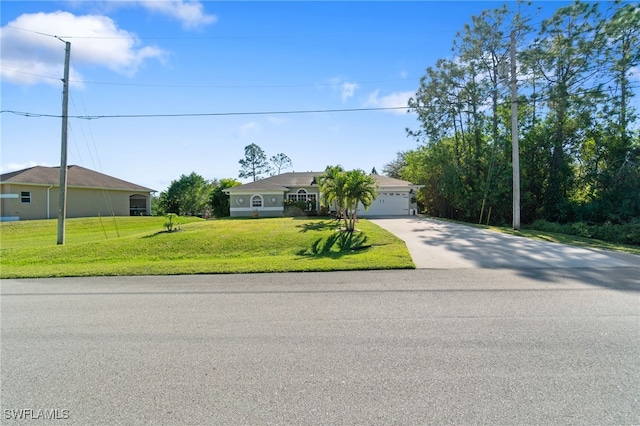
[[256, 201], [25, 197]]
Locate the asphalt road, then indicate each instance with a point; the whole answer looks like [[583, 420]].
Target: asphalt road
[[458, 346]]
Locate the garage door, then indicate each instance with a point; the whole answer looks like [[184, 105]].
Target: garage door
[[388, 204]]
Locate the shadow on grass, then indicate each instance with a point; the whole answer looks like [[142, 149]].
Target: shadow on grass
[[338, 244], [155, 234], [318, 226]]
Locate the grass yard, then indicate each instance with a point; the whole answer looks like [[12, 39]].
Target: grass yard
[[138, 246]]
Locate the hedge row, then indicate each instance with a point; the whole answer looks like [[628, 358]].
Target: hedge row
[[627, 233]]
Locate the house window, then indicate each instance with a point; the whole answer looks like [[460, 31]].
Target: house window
[[25, 197], [303, 195], [256, 201]]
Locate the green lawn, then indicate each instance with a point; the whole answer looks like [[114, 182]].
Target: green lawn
[[138, 246]]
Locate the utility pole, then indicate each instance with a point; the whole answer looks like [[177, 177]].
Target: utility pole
[[515, 151], [62, 198]]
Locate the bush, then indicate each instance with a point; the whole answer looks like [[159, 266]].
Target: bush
[[294, 208], [171, 224]]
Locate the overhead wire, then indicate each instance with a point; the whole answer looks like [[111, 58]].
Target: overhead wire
[[202, 114]]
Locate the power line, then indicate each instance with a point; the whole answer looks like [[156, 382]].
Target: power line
[[30, 31], [205, 114]]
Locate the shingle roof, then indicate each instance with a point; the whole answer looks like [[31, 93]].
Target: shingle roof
[[389, 181], [76, 177], [284, 181], [280, 182]]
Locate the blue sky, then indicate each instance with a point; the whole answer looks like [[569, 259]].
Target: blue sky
[[188, 57]]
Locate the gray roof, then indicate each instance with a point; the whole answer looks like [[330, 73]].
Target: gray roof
[[389, 181], [281, 182], [76, 177], [284, 181]]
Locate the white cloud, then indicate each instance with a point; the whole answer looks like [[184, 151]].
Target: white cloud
[[190, 13], [249, 127], [392, 100], [347, 89], [276, 120], [95, 40]]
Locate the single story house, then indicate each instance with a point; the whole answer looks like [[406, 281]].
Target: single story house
[[266, 197], [33, 194]]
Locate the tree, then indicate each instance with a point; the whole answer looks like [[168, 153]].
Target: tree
[[577, 119], [187, 196], [394, 167], [254, 163], [623, 55], [360, 188], [346, 190], [374, 171], [219, 200], [330, 185], [156, 208], [280, 161], [566, 54]]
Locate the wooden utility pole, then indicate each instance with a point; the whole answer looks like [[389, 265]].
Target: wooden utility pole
[[62, 193], [515, 150]]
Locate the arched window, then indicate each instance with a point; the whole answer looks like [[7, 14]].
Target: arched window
[[256, 201]]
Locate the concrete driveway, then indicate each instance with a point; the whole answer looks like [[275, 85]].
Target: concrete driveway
[[438, 244]]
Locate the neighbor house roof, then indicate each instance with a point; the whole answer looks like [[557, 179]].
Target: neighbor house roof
[[76, 177], [284, 181]]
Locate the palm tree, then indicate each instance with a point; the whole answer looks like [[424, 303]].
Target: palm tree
[[330, 184], [346, 190], [360, 188]]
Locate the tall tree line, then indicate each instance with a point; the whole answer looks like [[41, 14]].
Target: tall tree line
[[578, 127]]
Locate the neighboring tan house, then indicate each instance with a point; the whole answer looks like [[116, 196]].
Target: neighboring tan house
[[266, 197], [33, 194]]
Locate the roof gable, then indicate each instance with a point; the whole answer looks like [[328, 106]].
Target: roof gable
[[284, 181], [76, 177], [281, 182]]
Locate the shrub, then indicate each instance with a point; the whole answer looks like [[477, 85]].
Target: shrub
[[171, 224], [626, 233], [296, 208]]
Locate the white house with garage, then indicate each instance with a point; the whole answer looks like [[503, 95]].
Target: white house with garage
[[266, 197]]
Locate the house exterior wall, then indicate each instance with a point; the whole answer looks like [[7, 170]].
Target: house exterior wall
[[36, 209], [91, 203], [81, 202], [272, 204]]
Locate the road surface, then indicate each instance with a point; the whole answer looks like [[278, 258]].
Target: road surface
[[457, 346]]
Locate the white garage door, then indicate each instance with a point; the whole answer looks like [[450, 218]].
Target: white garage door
[[388, 204]]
